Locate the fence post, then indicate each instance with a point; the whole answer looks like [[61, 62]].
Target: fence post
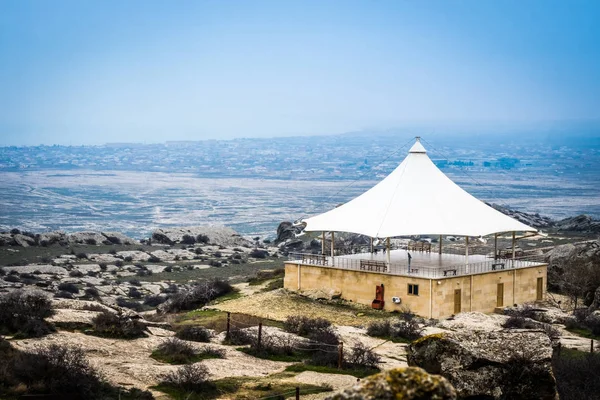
[[341, 355], [259, 335], [297, 393], [592, 346], [228, 322]]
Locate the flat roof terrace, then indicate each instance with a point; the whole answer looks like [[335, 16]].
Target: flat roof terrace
[[422, 264]]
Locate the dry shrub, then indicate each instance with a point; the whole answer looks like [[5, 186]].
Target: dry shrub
[[118, 326], [24, 313], [304, 326], [190, 378], [198, 296], [194, 333], [176, 351]]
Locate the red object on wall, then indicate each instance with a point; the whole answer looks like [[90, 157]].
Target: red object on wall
[[378, 303]]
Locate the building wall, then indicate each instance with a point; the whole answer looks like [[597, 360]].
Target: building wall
[[359, 286], [477, 292]]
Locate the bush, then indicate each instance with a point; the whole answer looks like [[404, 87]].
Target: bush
[[380, 328], [362, 356], [59, 370], [119, 263], [76, 274], [198, 250], [134, 293], [63, 295], [154, 259], [132, 305], [239, 337], [188, 239], [175, 351], [12, 278], [194, 333], [198, 296], [190, 378], [2, 271], [144, 272], [323, 347], [258, 253], [81, 255], [154, 300], [128, 259], [135, 282], [214, 263], [92, 292], [303, 326], [24, 313], [202, 239], [117, 325], [90, 241], [577, 374], [410, 330], [68, 287]]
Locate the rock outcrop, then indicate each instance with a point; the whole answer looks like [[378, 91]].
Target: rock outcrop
[[580, 223], [219, 235], [402, 383], [575, 268], [492, 364], [25, 239]]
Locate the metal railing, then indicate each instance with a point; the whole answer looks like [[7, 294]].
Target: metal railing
[[401, 268]]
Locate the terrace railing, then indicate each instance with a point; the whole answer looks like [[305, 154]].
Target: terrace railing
[[396, 268]]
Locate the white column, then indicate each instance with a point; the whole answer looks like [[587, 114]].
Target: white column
[[495, 246], [513, 249], [371, 245], [467, 253], [332, 248], [440, 241], [387, 244]]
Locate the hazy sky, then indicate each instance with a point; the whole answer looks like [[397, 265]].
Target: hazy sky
[[86, 72]]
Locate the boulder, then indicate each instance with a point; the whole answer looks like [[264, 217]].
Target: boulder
[[118, 238], [6, 239], [50, 238], [91, 238], [489, 364], [286, 230], [401, 383], [23, 241]]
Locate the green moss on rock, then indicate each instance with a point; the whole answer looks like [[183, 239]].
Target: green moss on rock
[[400, 384]]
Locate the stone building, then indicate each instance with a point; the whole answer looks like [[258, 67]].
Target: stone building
[[435, 281]]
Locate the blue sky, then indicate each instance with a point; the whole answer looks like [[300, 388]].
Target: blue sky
[[91, 72]]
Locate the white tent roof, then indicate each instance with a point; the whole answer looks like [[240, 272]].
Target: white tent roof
[[416, 199]]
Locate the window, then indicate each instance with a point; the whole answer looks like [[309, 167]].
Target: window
[[413, 289]]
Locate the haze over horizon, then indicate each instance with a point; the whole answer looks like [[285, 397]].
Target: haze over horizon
[[107, 71]]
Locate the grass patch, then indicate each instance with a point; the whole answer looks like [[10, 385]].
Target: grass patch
[[266, 275], [273, 285], [583, 332], [250, 388], [229, 296], [217, 320], [357, 372]]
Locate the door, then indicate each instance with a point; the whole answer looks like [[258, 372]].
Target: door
[[540, 289], [457, 301], [500, 295]]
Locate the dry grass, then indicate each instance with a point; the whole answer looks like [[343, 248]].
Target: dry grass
[[280, 304]]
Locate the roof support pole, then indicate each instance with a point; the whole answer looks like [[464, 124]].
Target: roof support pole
[[371, 245], [332, 248], [513, 249], [495, 246], [323, 243], [467, 253], [440, 241], [387, 244]]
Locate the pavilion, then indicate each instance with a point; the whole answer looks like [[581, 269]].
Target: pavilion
[[418, 199]]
